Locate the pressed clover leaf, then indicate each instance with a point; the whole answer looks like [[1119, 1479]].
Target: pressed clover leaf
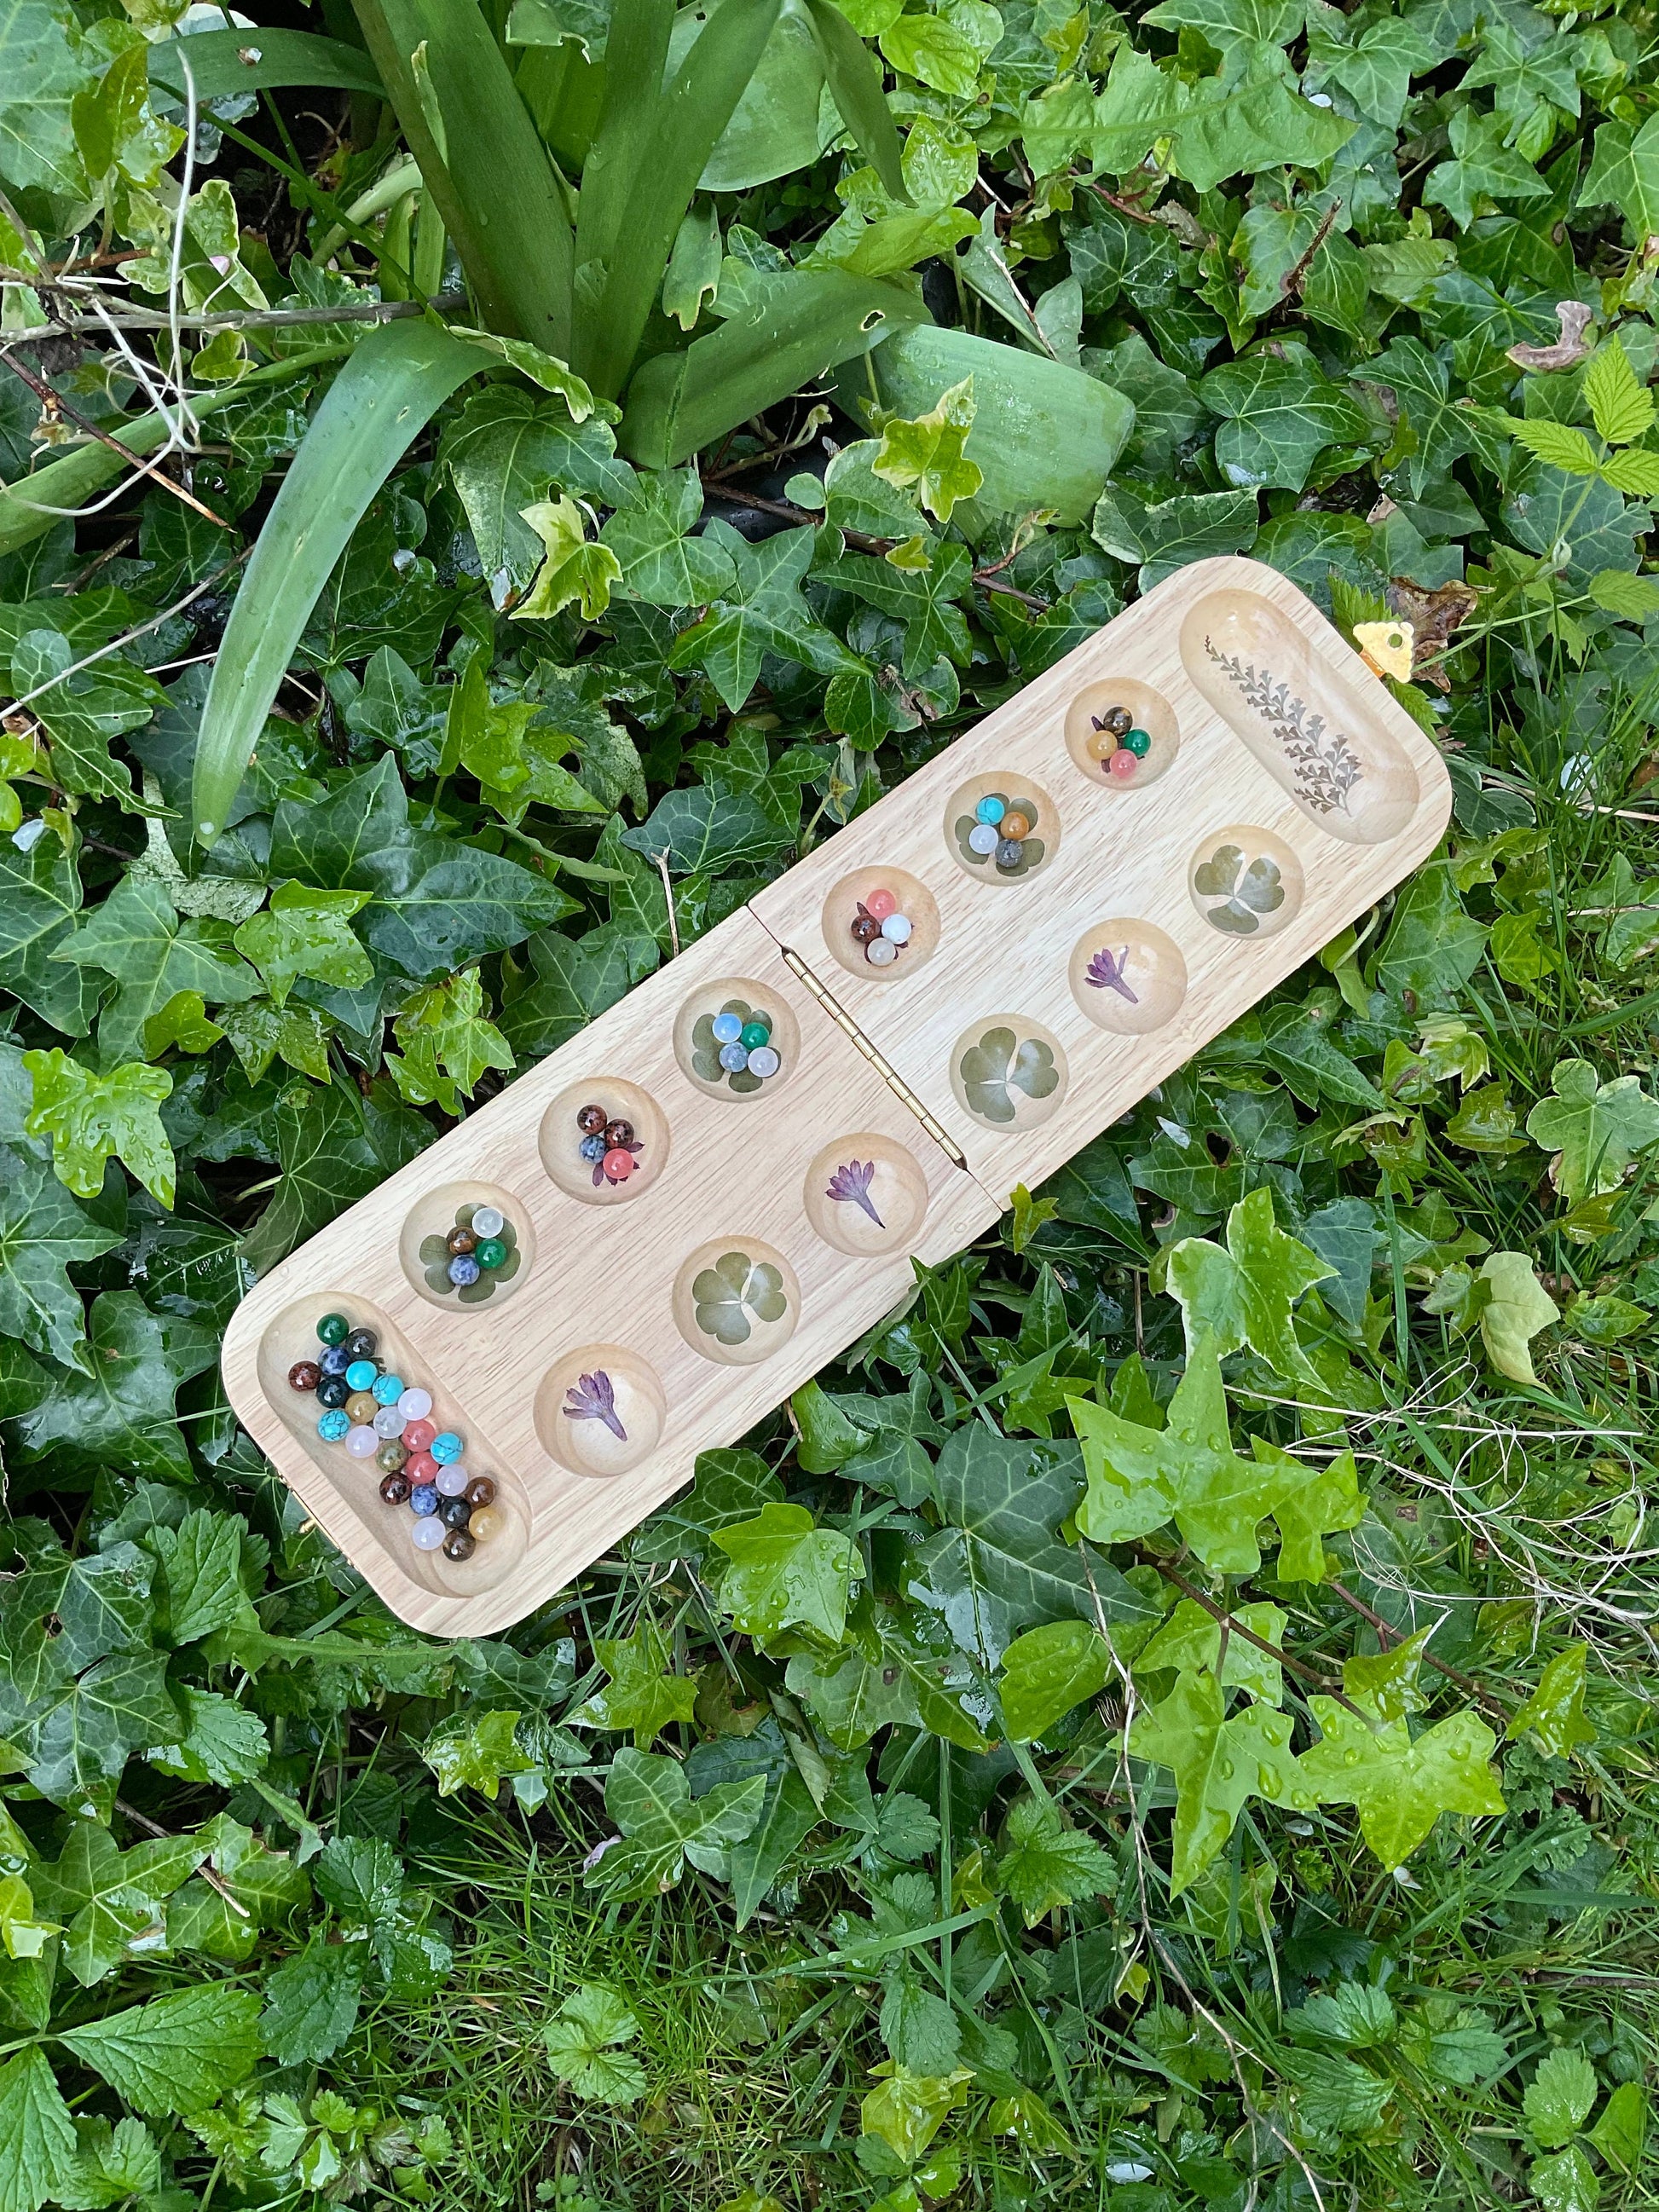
[[1249, 893], [1001, 1063], [736, 1286]]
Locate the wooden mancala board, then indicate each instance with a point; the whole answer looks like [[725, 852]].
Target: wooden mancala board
[[765, 1221]]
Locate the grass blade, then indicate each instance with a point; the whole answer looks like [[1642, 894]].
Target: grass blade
[[386, 393], [491, 177], [685, 130], [811, 323]]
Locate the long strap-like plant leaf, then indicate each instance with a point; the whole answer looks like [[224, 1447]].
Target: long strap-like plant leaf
[[32, 504], [225, 63], [385, 394], [481, 160], [637, 55], [807, 323], [670, 156]]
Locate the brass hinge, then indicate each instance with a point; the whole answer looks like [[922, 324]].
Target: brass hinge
[[895, 1082]]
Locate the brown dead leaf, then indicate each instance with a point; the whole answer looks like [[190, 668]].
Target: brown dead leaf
[[1569, 349], [1433, 615]]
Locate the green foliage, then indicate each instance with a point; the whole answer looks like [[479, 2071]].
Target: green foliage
[[1058, 1758]]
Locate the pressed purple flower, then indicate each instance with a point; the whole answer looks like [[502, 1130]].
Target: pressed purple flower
[[1105, 972], [592, 1398], [850, 1185]]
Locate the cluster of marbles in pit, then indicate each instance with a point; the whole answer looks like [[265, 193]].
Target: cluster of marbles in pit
[[607, 1144], [378, 1416], [736, 1047], [880, 930], [1002, 833], [1117, 743], [471, 1260]]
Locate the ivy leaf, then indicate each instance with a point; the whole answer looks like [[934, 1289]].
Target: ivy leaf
[[120, 1413], [1514, 1308], [477, 1752], [1322, 1501], [1375, 69], [897, 1672], [1594, 1129], [583, 2039], [663, 1827], [39, 902], [266, 1885], [503, 450], [643, 1693], [926, 455], [997, 1566], [906, 2110], [661, 563], [1440, 433], [764, 612], [1554, 1713], [1187, 1472], [1400, 1788], [447, 1042], [37, 2130], [137, 936], [787, 1572], [177, 2054], [92, 1119], [66, 1610], [1048, 1671], [1281, 415], [1190, 1642], [1433, 946], [261, 1032], [1624, 172], [575, 573], [82, 712], [108, 1900], [1044, 1864], [924, 600], [1218, 1762], [437, 904], [307, 931], [42, 1231], [1244, 1294], [702, 830], [334, 1147], [1168, 533], [76, 1735], [1482, 167], [730, 1487]]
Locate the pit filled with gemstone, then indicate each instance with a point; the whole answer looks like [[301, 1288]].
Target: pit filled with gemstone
[[1118, 743], [471, 1260], [383, 1420], [880, 929]]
